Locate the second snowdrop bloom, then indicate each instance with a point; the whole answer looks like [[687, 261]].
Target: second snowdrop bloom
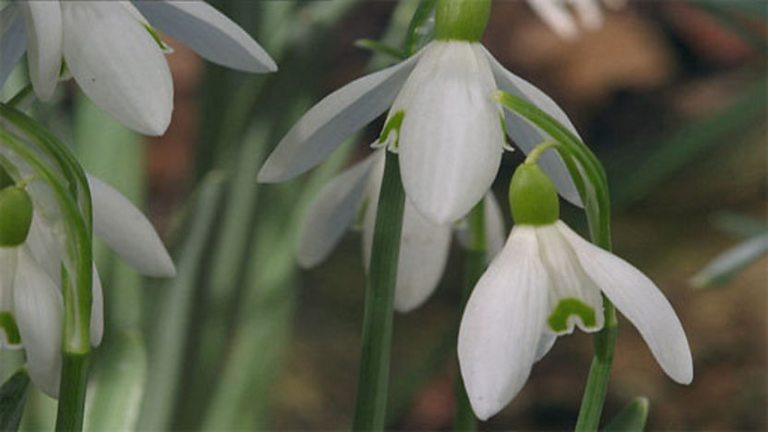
[[424, 245], [443, 119], [588, 13], [31, 301], [546, 281], [115, 54]]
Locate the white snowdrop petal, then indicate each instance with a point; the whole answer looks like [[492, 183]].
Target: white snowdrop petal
[[45, 243], [589, 13], [495, 232], [44, 33], [450, 140], [568, 282], [325, 126], [118, 64], [97, 309], [528, 136], [209, 33], [126, 230], [39, 313], [638, 298], [13, 40], [556, 17], [7, 275], [502, 325], [424, 248], [333, 212]]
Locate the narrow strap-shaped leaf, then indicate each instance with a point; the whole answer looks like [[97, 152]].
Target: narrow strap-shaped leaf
[[631, 418], [13, 397]]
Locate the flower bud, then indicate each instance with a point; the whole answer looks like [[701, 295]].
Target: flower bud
[[533, 197], [461, 19], [15, 216]]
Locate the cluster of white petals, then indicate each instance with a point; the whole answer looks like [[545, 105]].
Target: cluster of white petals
[[30, 275], [424, 245], [451, 139], [588, 13], [113, 51], [546, 281]]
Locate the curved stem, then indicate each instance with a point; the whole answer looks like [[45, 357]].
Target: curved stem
[[475, 263], [371, 403], [19, 97]]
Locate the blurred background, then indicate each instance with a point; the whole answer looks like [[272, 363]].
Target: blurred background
[[671, 95]]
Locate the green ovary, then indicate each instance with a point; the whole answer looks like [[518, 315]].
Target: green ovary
[[558, 320], [8, 325]]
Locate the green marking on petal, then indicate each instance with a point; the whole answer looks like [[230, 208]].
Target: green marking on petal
[[8, 325], [159, 41], [558, 320], [393, 125]]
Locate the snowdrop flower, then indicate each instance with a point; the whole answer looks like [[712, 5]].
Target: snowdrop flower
[[31, 302], [556, 15], [424, 245], [443, 119], [115, 54], [546, 281]]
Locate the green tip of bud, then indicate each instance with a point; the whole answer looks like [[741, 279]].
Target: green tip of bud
[[461, 19], [15, 216], [533, 197]]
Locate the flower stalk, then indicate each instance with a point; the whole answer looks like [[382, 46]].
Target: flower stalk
[[370, 406]]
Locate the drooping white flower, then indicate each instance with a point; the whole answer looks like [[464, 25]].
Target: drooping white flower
[[31, 302], [424, 245], [546, 281], [450, 137], [114, 53], [588, 13]]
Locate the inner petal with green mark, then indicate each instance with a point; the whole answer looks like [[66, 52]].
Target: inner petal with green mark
[[568, 307], [9, 327]]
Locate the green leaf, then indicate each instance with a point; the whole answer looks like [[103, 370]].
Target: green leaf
[[726, 265], [631, 418], [13, 397]]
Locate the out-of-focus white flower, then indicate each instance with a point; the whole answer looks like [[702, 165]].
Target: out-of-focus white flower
[[588, 13], [31, 303], [546, 281], [445, 120], [424, 245], [115, 54]]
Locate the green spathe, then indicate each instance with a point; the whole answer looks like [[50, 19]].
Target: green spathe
[[533, 197], [15, 216], [463, 20]]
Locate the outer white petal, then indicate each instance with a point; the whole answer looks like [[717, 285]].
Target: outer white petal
[[126, 231], [424, 248], [45, 243], [13, 41], [333, 119], [589, 13], [546, 342], [638, 298], [495, 231], [333, 212], [39, 314], [502, 325], [44, 33], [450, 140], [528, 136], [568, 280], [209, 32], [556, 16], [97, 309], [118, 64]]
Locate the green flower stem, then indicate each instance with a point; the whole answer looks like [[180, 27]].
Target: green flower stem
[[74, 374], [475, 263], [590, 178], [370, 406], [20, 96]]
